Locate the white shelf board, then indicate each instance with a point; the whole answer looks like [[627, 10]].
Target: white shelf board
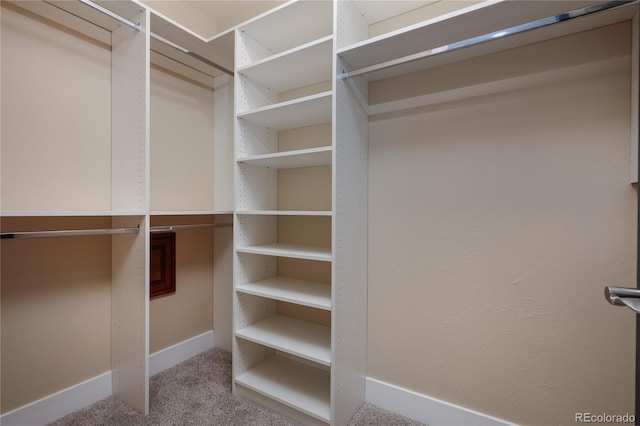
[[74, 213], [292, 159], [300, 338], [301, 112], [293, 384], [378, 11], [285, 212], [218, 50], [299, 67], [188, 212], [295, 251], [290, 25], [301, 292], [482, 18]]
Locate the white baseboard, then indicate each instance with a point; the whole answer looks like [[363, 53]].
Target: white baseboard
[[416, 406], [57, 405], [423, 408], [180, 352]]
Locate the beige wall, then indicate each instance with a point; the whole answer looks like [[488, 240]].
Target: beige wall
[[53, 116], [181, 144], [56, 309], [494, 224]]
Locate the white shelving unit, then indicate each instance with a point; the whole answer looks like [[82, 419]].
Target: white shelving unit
[[301, 292], [293, 159], [308, 60], [307, 111], [300, 338], [359, 49], [303, 388], [294, 362]]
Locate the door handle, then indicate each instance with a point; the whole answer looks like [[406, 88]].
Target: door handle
[[622, 296]]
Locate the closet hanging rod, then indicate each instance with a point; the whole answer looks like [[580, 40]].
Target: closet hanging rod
[[161, 39], [190, 53], [68, 233], [474, 41], [167, 228], [111, 14]]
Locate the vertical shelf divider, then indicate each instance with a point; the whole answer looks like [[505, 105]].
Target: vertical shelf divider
[[130, 189]]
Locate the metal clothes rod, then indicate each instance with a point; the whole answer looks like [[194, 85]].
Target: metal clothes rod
[[474, 41], [155, 36], [68, 233], [190, 53], [194, 226], [111, 14]]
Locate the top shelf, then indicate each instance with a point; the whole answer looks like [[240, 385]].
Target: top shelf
[[284, 28], [477, 20], [209, 56]]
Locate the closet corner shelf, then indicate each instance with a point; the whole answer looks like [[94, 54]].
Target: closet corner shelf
[[487, 17], [291, 383], [301, 112], [211, 56], [301, 292], [295, 251], [296, 337], [285, 212], [311, 61], [292, 159]]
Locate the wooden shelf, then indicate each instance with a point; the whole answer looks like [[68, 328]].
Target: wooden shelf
[[311, 62], [285, 212], [300, 338], [306, 111], [290, 250], [301, 292], [480, 19], [288, 26], [292, 159], [296, 385]]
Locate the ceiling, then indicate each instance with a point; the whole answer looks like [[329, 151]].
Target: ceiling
[[229, 13], [209, 18]]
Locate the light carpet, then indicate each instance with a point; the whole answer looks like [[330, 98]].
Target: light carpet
[[198, 392]]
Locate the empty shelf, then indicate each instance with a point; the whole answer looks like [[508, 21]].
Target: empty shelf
[[287, 26], [292, 159], [285, 212], [302, 112], [291, 383], [295, 251], [480, 19], [301, 292], [311, 62], [300, 338]]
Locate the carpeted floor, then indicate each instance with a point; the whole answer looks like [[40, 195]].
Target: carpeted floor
[[198, 392]]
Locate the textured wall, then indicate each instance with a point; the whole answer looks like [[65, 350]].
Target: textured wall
[[495, 223]]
